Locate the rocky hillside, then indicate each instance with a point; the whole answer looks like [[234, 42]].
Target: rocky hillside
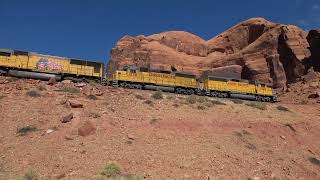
[[255, 49]]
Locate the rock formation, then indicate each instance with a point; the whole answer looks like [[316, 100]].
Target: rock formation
[[255, 49]]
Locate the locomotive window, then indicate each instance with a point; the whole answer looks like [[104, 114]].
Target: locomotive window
[[5, 54], [20, 53], [185, 75], [165, 72], [217, 79]]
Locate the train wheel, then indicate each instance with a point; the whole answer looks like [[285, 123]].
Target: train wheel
[[214, 94]]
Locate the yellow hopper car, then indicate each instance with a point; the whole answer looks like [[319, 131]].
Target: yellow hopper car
[[146, 78], [34, 65]]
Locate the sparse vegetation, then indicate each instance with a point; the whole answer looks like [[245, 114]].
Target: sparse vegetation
[[139, 96], [92, 97], [282, 108], [72, 90], [314, 161], [25, 130], [2, 96], [98, 177], [170, 97], [42, 87], [176, 105], [30, 175], [215, 102], [257, 105], [111, 170], [33, 93], [94, 115], [157, 95], [154, 120], [191, 99], [201, 107], [237, 101], [149, 102], [202, 99]]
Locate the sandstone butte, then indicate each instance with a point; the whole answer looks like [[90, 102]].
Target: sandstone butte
[[255, 49]]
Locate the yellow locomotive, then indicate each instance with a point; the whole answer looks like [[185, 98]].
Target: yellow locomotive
[[34, 65], [186, 83]]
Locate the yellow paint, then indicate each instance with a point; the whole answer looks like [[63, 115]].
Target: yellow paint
[[155, 78], [49, 64]]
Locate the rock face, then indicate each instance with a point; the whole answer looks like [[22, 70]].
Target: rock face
[[255, 49]]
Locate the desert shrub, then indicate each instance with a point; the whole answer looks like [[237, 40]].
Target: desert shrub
[[170, 97], [154, 120], [202, 99], [72, 90], [2, 96], [201, 107], [257, 105], [42, 87], [314, 161], [282, 108], [149, 102], [237, 101], [215, 102], [30, 175], [94, 115], [92, 97], [208, 104], [176, 105], [98, 177], [157, 95], [33, 93], [192, 99], [138, 96], [25, 130], [111, 170]]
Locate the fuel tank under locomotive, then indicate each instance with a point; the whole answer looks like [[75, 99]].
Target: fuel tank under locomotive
[[34, 75]]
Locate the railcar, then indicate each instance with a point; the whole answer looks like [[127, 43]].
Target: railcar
[[238, 88], [148, 78], [35, 65], [186, 83]]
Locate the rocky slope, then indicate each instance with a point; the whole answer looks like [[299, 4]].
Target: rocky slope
[[255, 49], [71, 131]]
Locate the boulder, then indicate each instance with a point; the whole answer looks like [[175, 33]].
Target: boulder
[[314, 95], [75, 104], [67, 118], [87, 129], [255, 49], [52, 81]]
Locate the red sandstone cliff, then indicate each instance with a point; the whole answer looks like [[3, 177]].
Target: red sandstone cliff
[[255, 49]]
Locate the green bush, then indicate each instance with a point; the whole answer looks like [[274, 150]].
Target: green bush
[[201, 107], [111, 170], [282, 108], [30, 175], [215, 102], [33, 93], [258, 105], [192, 99], [92, 97], [25, 130], [72, 90], [157, 95]]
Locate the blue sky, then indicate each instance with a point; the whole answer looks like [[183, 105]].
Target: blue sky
[[88, 29]]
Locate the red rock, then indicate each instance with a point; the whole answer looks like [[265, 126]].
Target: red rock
[[255, 49], [75, 104], [87, 129], [67, 118]]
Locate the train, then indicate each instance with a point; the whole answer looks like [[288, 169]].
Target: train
[[44, 67]]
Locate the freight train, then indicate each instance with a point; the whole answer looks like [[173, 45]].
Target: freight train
[[34, 65]]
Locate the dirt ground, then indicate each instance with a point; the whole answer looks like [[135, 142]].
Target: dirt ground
[[169, 138]]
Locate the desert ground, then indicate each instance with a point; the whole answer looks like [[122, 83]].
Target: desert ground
[[72, 131]]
